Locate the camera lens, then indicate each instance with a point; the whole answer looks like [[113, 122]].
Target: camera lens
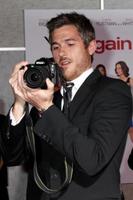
[[35, 77]]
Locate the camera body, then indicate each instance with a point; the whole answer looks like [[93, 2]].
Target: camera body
[[37, 73]]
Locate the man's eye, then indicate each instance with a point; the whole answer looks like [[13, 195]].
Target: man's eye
[[70, 44], [55, 47]]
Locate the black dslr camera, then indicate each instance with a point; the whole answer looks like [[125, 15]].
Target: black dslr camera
[[37, 73]]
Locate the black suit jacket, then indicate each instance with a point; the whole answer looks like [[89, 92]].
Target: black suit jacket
[[3, 170], [93, 138]]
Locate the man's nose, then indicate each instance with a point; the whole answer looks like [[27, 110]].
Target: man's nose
[[62, 51]]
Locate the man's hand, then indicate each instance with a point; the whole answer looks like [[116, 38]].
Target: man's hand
[[15, 82], [42, 99]]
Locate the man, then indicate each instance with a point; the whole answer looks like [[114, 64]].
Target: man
[[91, 138]]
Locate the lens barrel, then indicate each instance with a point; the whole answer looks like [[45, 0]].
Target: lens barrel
[[36, 75]]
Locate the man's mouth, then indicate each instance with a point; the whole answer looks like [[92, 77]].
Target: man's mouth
[[65, 62]]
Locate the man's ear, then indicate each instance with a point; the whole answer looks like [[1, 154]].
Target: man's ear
[[92, 47]]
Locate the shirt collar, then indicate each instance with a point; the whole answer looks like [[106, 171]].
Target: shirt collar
[[79, 81]]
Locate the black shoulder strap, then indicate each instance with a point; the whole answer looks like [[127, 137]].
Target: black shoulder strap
[[37, 178]]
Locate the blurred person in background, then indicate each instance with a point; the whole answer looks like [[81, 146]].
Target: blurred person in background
[[3, 167], [122, 71], [102, 69]]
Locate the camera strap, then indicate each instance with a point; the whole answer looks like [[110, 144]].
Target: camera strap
[[37, 178]]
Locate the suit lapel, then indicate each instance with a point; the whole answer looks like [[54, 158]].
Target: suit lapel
[[85, 93]]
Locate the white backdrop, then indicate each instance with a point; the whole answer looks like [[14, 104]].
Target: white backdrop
[[114, 35]]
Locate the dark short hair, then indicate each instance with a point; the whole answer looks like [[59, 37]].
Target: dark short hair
[[124, 67], [81, 22]]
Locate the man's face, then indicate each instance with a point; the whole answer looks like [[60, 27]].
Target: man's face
[[69, 51]]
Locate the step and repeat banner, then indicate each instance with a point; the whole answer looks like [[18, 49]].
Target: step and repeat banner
[[114, 37]]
